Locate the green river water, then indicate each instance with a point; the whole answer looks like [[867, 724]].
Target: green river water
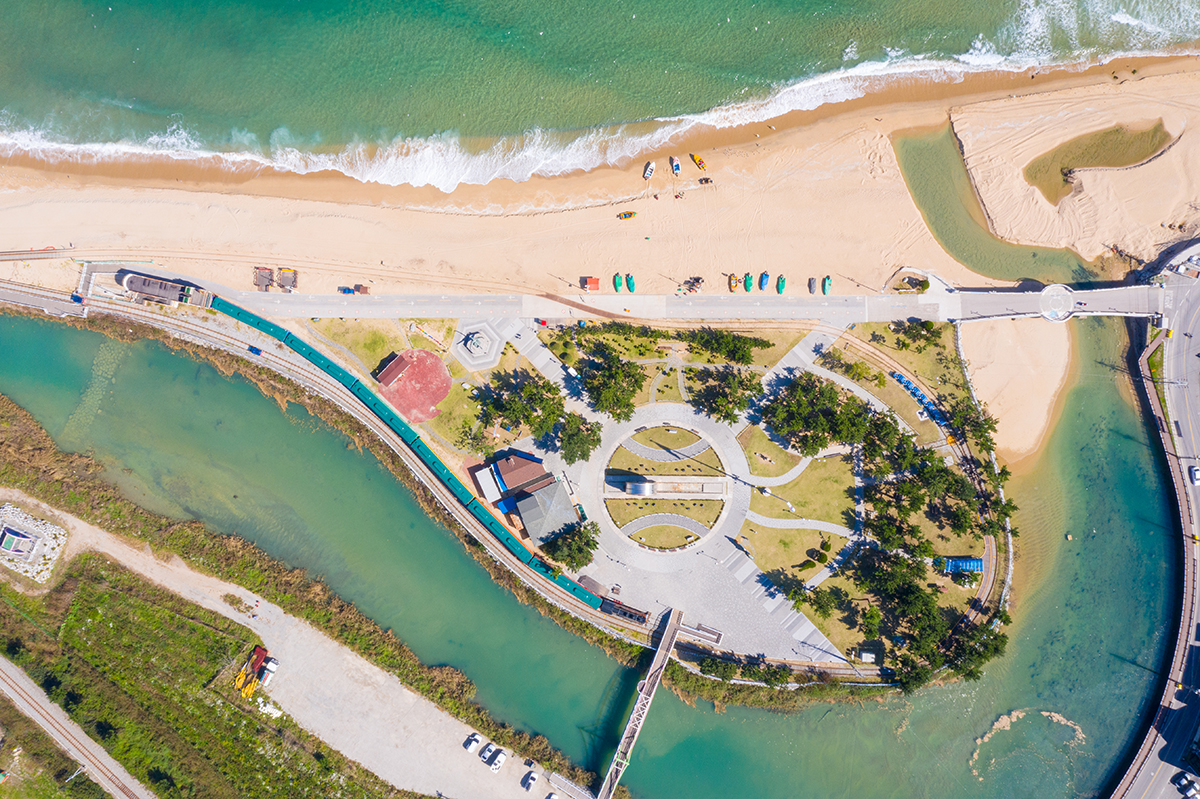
[[1089, 614]]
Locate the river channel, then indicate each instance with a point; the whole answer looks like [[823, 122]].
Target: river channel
[[181, 439]]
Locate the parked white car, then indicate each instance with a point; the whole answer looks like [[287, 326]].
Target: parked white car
[[498, 761], [530, 780], [472, 743], [1194, 475], [487, 752]]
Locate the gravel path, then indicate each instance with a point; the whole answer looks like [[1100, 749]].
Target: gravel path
[[352, 705], [660, 455]]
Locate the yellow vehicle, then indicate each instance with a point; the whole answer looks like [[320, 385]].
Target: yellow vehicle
[[951, 440]]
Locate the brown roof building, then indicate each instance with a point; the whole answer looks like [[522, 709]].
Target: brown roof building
[[392, 372]]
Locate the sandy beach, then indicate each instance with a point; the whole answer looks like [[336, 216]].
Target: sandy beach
[[809, 194]]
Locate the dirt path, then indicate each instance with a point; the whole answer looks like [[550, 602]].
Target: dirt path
[[355, 707]]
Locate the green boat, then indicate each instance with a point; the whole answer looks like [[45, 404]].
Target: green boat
[[748, 281], [780, 283], [617, 282], [826, 284], [629, 283]]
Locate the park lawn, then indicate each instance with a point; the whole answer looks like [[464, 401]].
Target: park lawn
[[782, 342], [561, 347], [668, 388], [630, 347], [643, 396], [1112, 147], [624, 511], [666, 437], [458, 407], [818, 493], [766, 458], [779, 552], [442, 329], [841, 628], [371, 340], [664, 536], [939, 375], [705, 464], [457, 370]]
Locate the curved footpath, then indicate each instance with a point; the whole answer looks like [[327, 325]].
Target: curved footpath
[[357, 708]]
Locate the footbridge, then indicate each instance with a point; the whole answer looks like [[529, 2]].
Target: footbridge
[[641, 708]]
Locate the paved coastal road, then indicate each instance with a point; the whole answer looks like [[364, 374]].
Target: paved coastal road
[[1178, 715], [938, 304]]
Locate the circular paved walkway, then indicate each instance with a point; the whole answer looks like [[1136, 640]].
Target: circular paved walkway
[[673, 519], [661, 455], [717, 435]]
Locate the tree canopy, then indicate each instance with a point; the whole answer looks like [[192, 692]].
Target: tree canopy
[[574, 547], [724, 393], [611, 382], [578, 438]]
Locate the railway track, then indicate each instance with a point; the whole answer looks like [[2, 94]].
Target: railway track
[[63, 733]]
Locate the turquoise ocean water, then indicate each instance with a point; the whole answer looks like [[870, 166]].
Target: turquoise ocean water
[[441, 92], [1089, 614]]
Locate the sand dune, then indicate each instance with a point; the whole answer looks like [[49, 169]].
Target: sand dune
[[1125, 207]]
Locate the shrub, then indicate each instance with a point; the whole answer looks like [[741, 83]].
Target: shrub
[[808, 564], [822, 557], [715, 667], [826, 544]]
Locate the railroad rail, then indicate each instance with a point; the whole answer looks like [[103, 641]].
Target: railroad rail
[[96, 767]]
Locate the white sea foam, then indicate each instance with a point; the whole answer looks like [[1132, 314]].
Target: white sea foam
[[446, 161]]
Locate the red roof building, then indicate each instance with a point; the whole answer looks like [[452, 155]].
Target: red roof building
[[392, 372]]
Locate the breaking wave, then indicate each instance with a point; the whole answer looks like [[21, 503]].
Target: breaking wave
[[446, 160]]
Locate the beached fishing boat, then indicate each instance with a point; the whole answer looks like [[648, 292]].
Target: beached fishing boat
[[812, 285], [748, 282], [826, 284], [674, 165], [734, 281], [629, 284], [618, 281], [779, 284], [699, 161], [627, 215], [763, 280], [649, 170]]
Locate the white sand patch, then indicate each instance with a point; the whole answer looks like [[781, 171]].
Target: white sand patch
[[1018, 366]]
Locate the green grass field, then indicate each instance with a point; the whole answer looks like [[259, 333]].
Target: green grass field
[[766, 458], [371, 340], [705, 464], [820, 492], [666, 438], [1112, 147], [148, 674], [664, 536]]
